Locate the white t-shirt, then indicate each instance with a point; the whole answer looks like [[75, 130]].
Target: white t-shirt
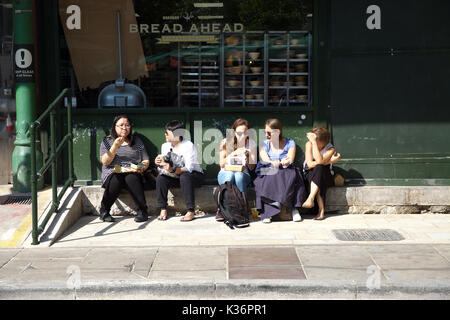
[[187, 150]]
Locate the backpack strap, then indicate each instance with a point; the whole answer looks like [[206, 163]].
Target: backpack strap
[[222, 208], [218, 194], [244, 201]]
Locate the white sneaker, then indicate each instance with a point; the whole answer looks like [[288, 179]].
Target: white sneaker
[[296, 215], [267, 220]]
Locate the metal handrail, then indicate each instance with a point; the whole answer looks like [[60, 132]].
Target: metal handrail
[[37, 174]]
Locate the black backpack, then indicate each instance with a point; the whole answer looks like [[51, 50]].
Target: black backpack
[[232, 204]]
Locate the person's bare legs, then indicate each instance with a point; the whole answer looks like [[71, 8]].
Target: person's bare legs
[[309, 203], [163, 214], [321, 205]]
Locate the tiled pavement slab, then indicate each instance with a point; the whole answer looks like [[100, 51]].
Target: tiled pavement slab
[[173, 263], [266, 272], [416, 256], [400, 262], [443, 250], [127, 261], [55, 264], [41, 264], [264, 263], [335, 262], [52, 253], [6, 255]]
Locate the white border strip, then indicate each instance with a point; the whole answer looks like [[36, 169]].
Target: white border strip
[[209, 5], [209, 17]]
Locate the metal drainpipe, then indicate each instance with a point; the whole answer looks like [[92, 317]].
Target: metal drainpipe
[[25, 99]]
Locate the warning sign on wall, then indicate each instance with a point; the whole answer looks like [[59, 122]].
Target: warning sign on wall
[[24, 63]]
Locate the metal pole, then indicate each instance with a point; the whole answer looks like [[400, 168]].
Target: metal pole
[[119, 44], [69, 132], [34, 205], [53, 154], [25, 96]]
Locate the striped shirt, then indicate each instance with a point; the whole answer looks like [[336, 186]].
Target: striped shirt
[[124, 157]]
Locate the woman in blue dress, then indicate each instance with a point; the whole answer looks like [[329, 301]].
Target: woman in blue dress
[[278, 181]]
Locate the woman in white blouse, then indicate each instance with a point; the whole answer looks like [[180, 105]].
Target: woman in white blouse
[[179, 168]]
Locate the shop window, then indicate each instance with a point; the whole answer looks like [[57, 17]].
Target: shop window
[[7, 94], [7, 101], [193, 53]]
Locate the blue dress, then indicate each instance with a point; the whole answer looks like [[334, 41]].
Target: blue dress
[[278, 186]]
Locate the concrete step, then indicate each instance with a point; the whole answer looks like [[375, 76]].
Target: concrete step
[[353, 200]]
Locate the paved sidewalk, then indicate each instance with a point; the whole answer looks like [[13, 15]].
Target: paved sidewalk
[[228, 272], [204, 259], [90, 231], [15, 217]]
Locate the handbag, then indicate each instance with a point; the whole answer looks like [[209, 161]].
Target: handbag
[[175, 161]]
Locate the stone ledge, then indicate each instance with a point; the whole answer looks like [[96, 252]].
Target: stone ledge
[[126, 206], [226, 289], [354, 200]]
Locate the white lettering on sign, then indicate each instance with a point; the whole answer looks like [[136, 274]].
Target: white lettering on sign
[[374, 20], [178, 28], [73, 22]]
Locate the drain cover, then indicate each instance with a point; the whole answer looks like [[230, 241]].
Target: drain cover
[[367, 235], [10, 199]]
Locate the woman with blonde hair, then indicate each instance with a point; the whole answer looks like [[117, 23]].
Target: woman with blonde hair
[[319, 155]]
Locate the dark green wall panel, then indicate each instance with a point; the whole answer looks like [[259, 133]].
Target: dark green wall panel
[[404, 24], [389, 92]]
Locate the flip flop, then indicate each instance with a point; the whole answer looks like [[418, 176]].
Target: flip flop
[[186, 220], [162, 217], [319, 218]]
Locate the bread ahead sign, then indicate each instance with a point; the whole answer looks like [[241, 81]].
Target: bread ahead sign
[[173, 29]]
